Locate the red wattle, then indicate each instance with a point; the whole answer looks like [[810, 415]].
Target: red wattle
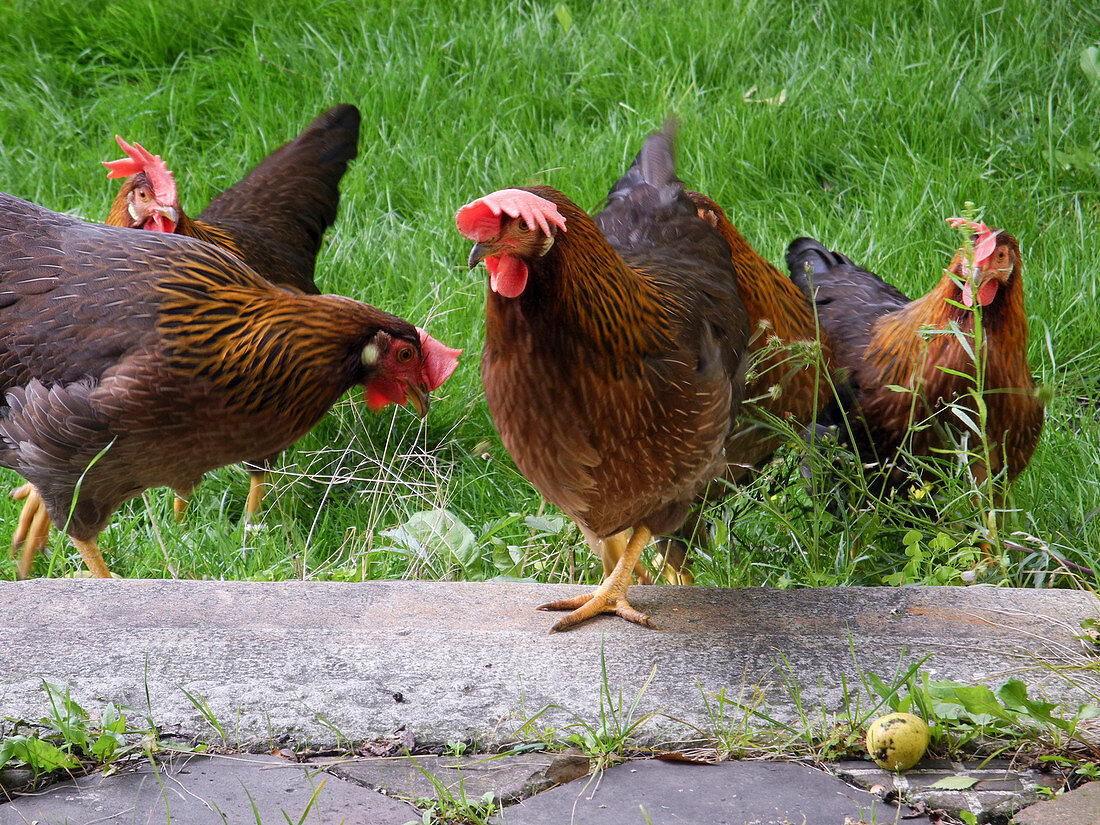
[[507, 275]]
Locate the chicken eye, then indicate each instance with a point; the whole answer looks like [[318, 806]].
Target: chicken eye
[[141, 193], [522, 224], [404, 355]]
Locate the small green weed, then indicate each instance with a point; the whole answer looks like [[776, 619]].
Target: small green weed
[[70, 739]]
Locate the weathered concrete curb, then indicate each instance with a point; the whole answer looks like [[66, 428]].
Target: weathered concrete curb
[[321, 661]]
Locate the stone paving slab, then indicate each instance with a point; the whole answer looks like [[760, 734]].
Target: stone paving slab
[[1000, 790], [1078, 807], [203, 790], [474, 661], [727, 793], [508, 778]]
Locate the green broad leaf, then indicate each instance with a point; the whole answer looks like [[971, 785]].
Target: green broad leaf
[[106, 745], [879, 686], [955, 783], [437, 533], [912, 538], [975, 699], [1013, 694], [550, 525], [37, 754], [565, 19], [507, 558], [1079, 158], [1090, 65]]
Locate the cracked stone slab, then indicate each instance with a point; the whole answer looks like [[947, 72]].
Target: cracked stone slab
[[509, 778], [201, 790], [653, 792], [324, 662], [1078, 807], [1000, 790]]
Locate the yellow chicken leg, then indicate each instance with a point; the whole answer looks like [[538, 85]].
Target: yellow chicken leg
[[612, 549], [610, 596], [179, 507], [33, 529], [672, 564], [93, 559], [257, 489]]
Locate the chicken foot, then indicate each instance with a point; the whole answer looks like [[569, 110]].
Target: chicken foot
[[610, 596], [33, 529]]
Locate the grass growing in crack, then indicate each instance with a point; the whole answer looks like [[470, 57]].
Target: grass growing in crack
[[72, 740], [449, 808], [965, 720], [208, 714], [612, 734]]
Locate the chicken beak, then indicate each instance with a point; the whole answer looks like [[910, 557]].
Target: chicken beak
[[419, 397], [168, 212], [479, 253]]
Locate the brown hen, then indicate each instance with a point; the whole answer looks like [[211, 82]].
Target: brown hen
[[614, 356], [132, 359], [910, 360], [790, 377], [274, 220]]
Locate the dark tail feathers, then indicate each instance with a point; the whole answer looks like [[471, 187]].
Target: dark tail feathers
[[654, 165], [805, 255]]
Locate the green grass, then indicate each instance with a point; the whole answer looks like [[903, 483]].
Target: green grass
[[860, 123]]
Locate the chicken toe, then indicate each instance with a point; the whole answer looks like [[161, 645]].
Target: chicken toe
[[610, 596], [32, 533]]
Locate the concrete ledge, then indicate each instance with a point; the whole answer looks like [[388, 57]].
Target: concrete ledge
[[463, 661]]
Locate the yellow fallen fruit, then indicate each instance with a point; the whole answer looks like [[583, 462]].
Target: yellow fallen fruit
[[897, 741]]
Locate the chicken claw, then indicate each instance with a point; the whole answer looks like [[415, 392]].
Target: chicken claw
[[610, 596], [32, 533]]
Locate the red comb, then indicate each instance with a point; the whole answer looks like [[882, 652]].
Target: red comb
[[480, 220], [140, 160], [439, 360], [987, 238]]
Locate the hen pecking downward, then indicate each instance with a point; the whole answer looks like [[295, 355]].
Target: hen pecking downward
[[613, 358], [133, 359], [909, 360], [273, 220]]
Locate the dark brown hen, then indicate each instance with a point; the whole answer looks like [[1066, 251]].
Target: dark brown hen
[[790, 377], [910, 360], [274, 220], [131, 360], [614, 350]]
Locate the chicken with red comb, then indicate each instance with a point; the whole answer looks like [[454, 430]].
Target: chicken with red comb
[[613, 363], [131, 360], [907, 366], [273, 219]]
